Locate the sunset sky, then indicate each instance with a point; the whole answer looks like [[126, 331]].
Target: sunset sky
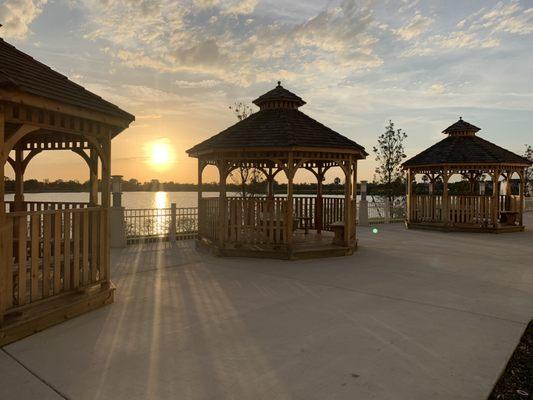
[[178, 65]]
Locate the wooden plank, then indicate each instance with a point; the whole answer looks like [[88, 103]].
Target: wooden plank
[[57, 252], [34, 240], [94, 245], [47, 238], [75, 271], [22, 254], [103, 246], [66, 252], [9, 263], [85, 248]]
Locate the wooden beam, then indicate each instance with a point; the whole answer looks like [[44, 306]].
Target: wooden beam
[[3, 229], [10, 143]]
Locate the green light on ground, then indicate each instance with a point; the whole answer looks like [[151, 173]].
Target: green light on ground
[[375, 230]]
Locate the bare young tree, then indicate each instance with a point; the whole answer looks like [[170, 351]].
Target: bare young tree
[[529, 171], [389, 154], [247, 178]]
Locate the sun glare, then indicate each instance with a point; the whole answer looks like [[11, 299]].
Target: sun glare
[[161, 154]]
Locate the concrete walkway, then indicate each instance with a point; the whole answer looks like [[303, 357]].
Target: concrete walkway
[[412, 315]]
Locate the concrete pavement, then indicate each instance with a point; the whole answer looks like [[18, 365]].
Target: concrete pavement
[[412, 315]]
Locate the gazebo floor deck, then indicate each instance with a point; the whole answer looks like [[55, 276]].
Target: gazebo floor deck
[[439, 226], [305, 246]]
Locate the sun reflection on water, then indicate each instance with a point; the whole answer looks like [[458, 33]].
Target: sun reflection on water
[[161, 200]]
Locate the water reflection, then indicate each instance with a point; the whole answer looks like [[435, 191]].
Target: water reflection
[[161, 200]]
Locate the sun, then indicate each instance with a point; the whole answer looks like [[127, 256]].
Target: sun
[[161, 154]]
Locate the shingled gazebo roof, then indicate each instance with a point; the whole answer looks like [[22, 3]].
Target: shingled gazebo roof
[[21, 72], [278, 124], [462, 146]]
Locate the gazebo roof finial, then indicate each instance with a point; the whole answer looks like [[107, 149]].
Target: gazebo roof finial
[[279, 82]]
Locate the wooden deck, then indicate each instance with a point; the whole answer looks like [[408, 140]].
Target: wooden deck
[[310, 245]]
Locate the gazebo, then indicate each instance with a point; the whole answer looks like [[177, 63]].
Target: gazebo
[[54, 256], [279, 138], [476, 204]]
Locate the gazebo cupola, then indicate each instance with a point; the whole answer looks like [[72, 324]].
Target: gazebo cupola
[[279, 97], [461, 128], [279, 138], [468, 206]]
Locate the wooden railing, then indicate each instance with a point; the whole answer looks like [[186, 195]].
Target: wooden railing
[[53, 252], [46, 205], [257, 220], [156, 223], [208, 218], [529, 204], [469, 210]]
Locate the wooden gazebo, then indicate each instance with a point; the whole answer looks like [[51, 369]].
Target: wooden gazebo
[[278, 138], [477, 204], [54, 256]]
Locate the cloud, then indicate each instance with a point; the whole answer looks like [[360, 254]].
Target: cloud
[[205, 38], [206, 83], [437, 88], [227, 7], [414, 28], [17, 16], [483, 29]]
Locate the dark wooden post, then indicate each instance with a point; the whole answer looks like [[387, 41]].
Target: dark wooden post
[[445, 198], [222, 205], [19, 179], [319, 208], [495, 197], [409, 194], [93, 177], [347, 167], [4, 272], [354, 201], [290, 206]]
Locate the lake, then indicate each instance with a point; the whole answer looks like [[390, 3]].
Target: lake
[[129, 199]]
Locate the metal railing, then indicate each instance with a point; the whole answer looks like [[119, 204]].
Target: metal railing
[[151, 224]]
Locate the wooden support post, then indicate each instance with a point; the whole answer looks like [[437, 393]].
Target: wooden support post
[[522, 191], [19, 180], [290, 206], [319, 200], [106, 202], [445, 199], [106, 175], [354, 200], [199, 201], [347, 202], [93, 178], [222, 205], [495, 197], [4, 272], [409, 193]]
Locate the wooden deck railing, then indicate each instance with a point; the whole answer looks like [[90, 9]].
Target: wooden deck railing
[[469, 210], [529, 204], [258, 220], [53, 252], [208, 218]]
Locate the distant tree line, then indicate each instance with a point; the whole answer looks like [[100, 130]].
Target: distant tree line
[[134, 185]]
